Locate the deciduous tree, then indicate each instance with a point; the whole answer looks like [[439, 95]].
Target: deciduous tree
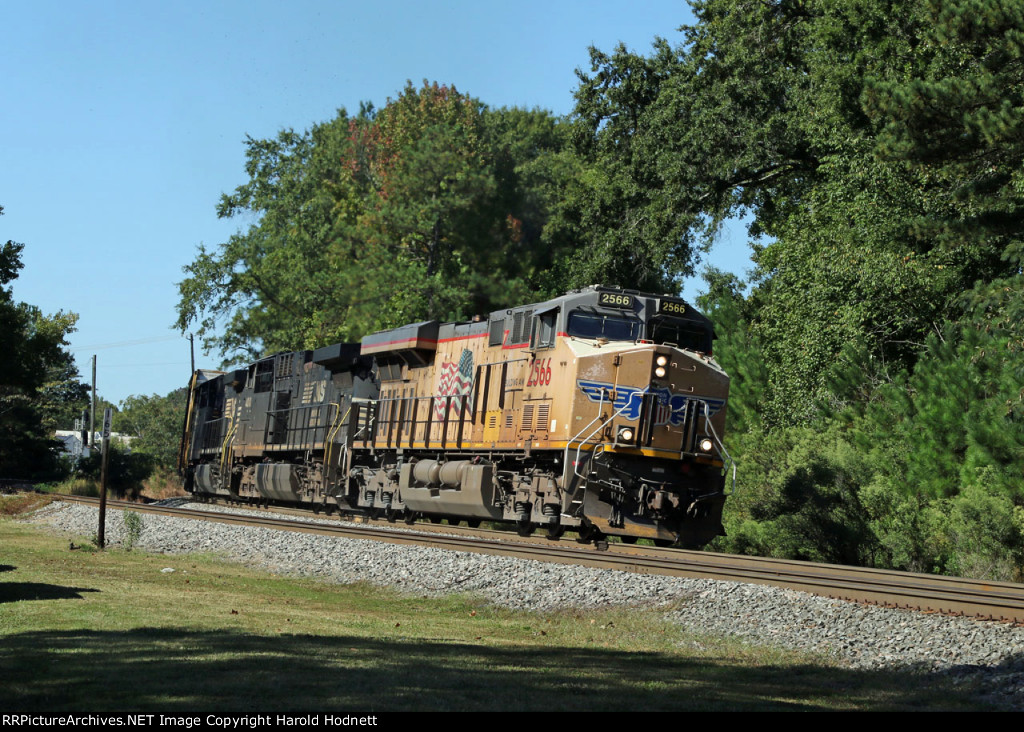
[[431, 207], [33, 347]]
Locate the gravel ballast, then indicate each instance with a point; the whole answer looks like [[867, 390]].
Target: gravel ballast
[[856, 636]]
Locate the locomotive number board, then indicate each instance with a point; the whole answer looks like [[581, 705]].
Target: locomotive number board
[[672, 308], [616, 300]]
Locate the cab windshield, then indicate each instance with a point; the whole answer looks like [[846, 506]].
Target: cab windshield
[[599, 325], [682, 333]]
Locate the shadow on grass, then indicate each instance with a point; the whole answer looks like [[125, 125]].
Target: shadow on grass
[[15, 591], [187, 672]]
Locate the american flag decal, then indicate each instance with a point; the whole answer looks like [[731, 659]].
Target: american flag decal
[[456, 380]]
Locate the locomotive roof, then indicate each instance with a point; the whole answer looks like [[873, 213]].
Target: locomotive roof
[[204, 375], [643, 304], [424, 336]]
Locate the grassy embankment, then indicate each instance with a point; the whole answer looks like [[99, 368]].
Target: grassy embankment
[[159, 485], [87, 631]]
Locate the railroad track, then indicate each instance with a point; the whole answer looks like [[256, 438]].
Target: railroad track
[[1002, 601]]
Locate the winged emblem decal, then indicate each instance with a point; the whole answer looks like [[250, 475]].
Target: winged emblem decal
[[670, 409]]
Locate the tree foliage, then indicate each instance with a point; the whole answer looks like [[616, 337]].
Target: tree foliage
[[126, 469], [155, 423], [797, 114], [432, 207], [875, 146], [33, 354], [959, 118], [63, 396]]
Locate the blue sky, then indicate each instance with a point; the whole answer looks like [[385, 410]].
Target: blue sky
[[124, 122]]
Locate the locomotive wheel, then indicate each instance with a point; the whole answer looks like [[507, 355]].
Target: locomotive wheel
[[410, 517], [390, 514], [435, 519], [473, 523], [588, 533], [555, 531], [524, 528], [663, 542], [628, 539]]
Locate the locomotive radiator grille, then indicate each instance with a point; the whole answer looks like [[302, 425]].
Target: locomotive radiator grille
[[526, 423], [543, 412]]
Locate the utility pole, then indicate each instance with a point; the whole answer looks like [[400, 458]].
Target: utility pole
[[192, 353], [101, 538], [92, 412]]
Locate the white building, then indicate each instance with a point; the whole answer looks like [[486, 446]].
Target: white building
[[73, 446]]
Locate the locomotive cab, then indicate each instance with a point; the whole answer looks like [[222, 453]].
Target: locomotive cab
[[648, 460]]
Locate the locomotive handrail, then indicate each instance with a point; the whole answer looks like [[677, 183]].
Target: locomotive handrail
[[371, 419], [332, 434], [587, 439], [404, 421], [568, 445], [225, 446], [185, 446], [290, 442], [720, 444], [410, 422]]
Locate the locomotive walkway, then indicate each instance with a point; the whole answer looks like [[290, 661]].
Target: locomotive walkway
[[1001, 601]]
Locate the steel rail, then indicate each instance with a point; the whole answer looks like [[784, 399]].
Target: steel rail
[[1003, 601]]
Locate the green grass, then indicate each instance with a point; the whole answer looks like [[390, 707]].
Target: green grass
[[87, 631]]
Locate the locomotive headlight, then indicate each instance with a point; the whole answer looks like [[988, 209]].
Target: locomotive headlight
[[660, 372], [662, 360], [625, 434], [706, 445]]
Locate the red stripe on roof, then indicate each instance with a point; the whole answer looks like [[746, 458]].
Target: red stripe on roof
[[424, 340], [463, 338]]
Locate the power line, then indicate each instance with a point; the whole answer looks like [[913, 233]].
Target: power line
[[122, 344]]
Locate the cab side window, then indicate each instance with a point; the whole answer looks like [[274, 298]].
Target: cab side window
[[496, 333], [545, 330]]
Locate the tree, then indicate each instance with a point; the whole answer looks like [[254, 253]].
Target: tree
[[62, 397], [876, 147], [961, 118], [265, 282], [805, 116], [432, 207], [155, 423], [737, 349], [33, 347]]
